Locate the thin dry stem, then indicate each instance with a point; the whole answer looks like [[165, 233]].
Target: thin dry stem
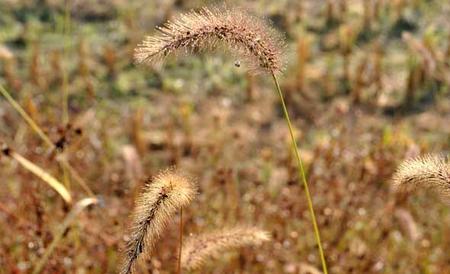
[[161, 198], [76, 210], [198, 249], [180, 241], [65, 87], [302, 177], [252, 38], [46, 177], [26, 117]]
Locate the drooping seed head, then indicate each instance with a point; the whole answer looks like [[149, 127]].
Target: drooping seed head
[[197, 249], [429, 171], [160, 199], [250, 37]]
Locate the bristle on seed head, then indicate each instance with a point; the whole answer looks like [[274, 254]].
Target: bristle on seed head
[[252, 38], [160, 199], [197, 249], [429, 171]]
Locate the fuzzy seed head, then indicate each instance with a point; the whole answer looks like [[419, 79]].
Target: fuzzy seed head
[[161, 198], [430, 171], [249, 37], [197, 249]]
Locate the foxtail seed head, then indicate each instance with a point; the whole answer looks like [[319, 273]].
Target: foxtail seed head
[[252, 38], [198, 249], [161, 198], [429, 171]]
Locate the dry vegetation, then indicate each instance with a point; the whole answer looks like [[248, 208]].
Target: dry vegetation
[[367, 87]]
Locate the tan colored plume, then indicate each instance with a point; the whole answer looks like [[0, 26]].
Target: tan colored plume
[[429, 171], [198, 249], [250, 37], [160, 199]]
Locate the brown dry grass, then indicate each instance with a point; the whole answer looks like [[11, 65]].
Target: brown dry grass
[[196, 115]]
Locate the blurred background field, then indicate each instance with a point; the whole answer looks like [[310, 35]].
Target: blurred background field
[[367, 85]]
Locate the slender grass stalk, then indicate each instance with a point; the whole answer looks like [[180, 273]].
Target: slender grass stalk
[[32, 124], [46, 177], [77, 209], [26, 117], [66, 178], [76, 176], [65, 91], [65, 166], [302, 176], [180, 242]]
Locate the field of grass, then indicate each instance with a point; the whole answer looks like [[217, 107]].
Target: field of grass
[[367, 85]]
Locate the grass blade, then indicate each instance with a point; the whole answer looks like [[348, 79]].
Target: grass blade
[[39, 172]]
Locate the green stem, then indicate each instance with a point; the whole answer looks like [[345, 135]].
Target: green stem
[[65, 91], [302, 175], [25, 116]]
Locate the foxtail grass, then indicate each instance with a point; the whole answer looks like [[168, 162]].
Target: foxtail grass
[[256, 42], [429, 171], [160, 199], [198, 249]]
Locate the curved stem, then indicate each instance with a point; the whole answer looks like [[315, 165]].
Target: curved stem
[[302, 175]]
